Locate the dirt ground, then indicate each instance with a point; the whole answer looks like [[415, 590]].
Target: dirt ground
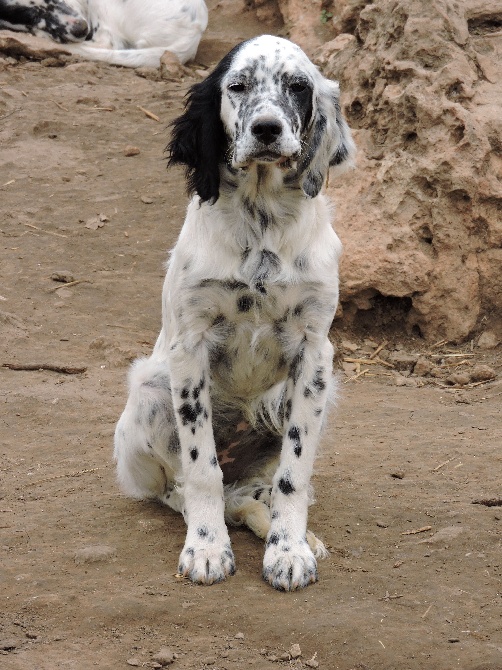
[[87, 576]]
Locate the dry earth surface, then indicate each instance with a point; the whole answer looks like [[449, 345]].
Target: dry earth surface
[[87, 576]]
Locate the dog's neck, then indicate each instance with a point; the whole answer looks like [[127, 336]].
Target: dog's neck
[[263, 199]]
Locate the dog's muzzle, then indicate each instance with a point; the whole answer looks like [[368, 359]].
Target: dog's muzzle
[[268, 140]]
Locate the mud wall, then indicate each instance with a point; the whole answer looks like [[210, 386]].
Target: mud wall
[[421, 216]]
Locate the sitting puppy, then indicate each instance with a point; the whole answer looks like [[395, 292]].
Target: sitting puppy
[[132, 33], [224, 418]]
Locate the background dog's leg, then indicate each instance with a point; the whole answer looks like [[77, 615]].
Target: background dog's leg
[[207, 556], [289, 562]]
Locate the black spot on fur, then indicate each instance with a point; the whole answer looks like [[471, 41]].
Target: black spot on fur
[[245, 303], [213, 461], [257, 494], [203, 531], [297, 366], [286, 485], [190, 412], [273, 539], [294, 436], [194, 454]]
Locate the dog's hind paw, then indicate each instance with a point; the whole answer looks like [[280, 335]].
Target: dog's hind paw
[[289, 568], [207, 564]]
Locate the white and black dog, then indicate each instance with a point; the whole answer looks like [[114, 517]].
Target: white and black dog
[[132, 33], [224, 418]]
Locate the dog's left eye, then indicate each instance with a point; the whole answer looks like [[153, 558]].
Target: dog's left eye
[[298, 87], [238, 87]]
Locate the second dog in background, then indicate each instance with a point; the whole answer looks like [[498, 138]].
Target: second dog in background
[[132, 33]]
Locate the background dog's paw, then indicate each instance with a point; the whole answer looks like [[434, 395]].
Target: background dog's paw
[[289, 568], [208, 564]]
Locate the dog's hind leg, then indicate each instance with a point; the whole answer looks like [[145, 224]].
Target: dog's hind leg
[[250, 506], [146, 443]]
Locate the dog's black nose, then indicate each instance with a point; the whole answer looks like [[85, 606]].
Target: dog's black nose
[[266, 131], [79, 28]]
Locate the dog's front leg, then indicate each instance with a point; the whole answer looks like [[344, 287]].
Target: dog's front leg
[[289, 562], [207, 555]]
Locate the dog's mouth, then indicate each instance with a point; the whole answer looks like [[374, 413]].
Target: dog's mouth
[[269, 158]]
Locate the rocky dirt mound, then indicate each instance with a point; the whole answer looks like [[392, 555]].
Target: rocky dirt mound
[[421, 218]]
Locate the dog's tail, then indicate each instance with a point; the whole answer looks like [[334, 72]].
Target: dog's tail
[[146, 57]]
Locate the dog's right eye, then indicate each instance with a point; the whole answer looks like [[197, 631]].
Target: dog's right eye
[[238, 87]]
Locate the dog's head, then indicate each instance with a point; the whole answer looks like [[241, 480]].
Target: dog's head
[[265, 102], [56, 19]]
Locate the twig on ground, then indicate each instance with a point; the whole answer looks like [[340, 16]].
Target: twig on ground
[[63, 369], [379, 349], [426, 612], [441, 465], [150, 115], [70, 283], [58, 104], [359, 374], [424, 529], [489, 502], [49, 232]]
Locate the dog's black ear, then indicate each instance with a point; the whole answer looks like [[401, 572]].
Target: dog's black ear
[[199, 141], [329, 141]]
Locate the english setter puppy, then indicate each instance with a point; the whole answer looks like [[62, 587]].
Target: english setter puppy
[[224, 418], [132, 33]]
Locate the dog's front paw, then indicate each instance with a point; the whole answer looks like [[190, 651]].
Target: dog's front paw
[[207, 564], [289, 567]]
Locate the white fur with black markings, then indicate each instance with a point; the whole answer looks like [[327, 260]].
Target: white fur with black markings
[[224, 418], [131, 33]]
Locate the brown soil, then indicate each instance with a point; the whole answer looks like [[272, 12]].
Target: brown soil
[[88, 576]]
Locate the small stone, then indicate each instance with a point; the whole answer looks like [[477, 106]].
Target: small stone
[[239, 636], [382, 524], [401, 380], [402, 361], [134, 662], [94, 554], [146, 199], [164, 656], [423, 367], [285, 656], [312, 662], [349, 346], [398, 474], [488, 340], [63, 276], [131, 151], [482, 373], [295, 651], [458, 379], [170, 67], [8, 644], [151, 73], [453, 639]]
